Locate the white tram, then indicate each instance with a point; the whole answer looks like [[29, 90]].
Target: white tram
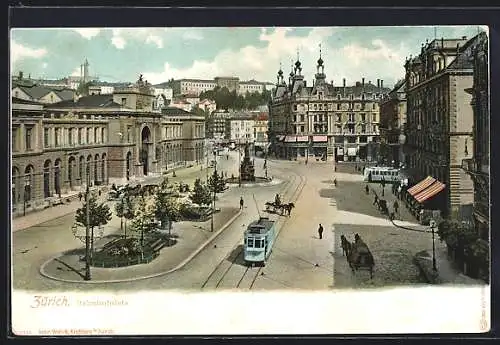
[[377, 174], [259, 240]]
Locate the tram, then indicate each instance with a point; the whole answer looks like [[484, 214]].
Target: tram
[[259, 240], [377, 174]]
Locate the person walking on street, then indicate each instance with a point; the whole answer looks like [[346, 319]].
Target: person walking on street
[[396, 207], [375, 201], [241, 203], [80, 196], [367, 190], [320, 231]]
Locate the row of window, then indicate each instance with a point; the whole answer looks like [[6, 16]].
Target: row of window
[[251, 242], [54, 137], [338, 106], [338, 118], [350, 129]]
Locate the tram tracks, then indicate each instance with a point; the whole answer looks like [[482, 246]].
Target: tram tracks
[[232, 272]]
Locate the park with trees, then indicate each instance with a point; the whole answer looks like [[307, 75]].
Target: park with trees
[[146, 219]]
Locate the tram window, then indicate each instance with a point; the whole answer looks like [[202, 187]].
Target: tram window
[[250, 243]]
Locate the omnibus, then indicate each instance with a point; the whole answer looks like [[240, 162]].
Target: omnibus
[[377, 174]]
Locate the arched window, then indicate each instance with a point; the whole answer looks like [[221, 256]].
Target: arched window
[[81, 167], [57, 176], [103, 168], [28, 182], [96, 166], [46, 178]]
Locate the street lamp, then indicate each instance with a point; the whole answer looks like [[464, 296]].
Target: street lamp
[[214, 186], [239, 166], [25, 199], [87, 231], [432, 224], [265, 164]]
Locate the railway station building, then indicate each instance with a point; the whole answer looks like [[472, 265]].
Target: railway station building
[[57, 149]]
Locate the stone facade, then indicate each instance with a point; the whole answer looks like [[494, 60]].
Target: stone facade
[[478, 167], [392, 122], [439, 119], [61, 147], [340, 122]]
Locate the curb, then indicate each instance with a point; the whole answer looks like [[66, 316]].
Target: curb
[[273, 182], [179, 266]]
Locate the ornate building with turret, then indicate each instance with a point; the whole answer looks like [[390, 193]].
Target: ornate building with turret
[[324, 120]]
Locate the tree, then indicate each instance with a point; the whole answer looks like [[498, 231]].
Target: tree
[[144, 217], [100, 215], [124, 209], [167, 210], [201, 194], [216, 182]]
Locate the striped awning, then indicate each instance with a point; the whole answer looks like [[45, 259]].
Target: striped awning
[[320, 138], [421, 185], [290, 139], [428, 193], [302, 138]]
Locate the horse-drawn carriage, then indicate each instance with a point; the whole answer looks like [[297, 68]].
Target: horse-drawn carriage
[[278, 207], [358, 255]]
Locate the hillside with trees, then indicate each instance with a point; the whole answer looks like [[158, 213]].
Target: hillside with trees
[[226, 99]]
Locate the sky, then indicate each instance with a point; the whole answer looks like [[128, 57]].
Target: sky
[[122, 54]]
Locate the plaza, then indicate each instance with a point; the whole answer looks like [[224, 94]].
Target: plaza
[[202, 261]]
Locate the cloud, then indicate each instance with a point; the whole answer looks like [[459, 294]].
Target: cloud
[[192, 35], [351, 60], [249, 62], [88, 33], [76, 72], [120, 37], [19, 52], [45, 65]]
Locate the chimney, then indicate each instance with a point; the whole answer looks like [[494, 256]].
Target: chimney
[[381, 83], [20, 75], [464, 37], [343, 81], [378, 82], [363, 82]]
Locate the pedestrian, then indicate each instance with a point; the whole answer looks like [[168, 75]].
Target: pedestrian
[[367, 190], [241, 203], [375, 202], [99, 192], [335, 182], [80, 196], [396, 207], [320, 231], [335, 168]]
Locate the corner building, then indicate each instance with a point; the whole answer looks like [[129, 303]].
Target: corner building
[[440, 120], [332, 122]]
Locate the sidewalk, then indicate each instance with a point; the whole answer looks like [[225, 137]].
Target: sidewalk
[[187, 175], [42, 216], [448, 274]]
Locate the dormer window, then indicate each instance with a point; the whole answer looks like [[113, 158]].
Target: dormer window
[[124, 101]]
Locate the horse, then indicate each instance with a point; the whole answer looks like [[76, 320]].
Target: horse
[[360, 256], [346, 245], [287, 208]]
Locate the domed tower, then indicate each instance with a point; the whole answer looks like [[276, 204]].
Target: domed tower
[[291, 75], [320, 69], [280, 77]]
